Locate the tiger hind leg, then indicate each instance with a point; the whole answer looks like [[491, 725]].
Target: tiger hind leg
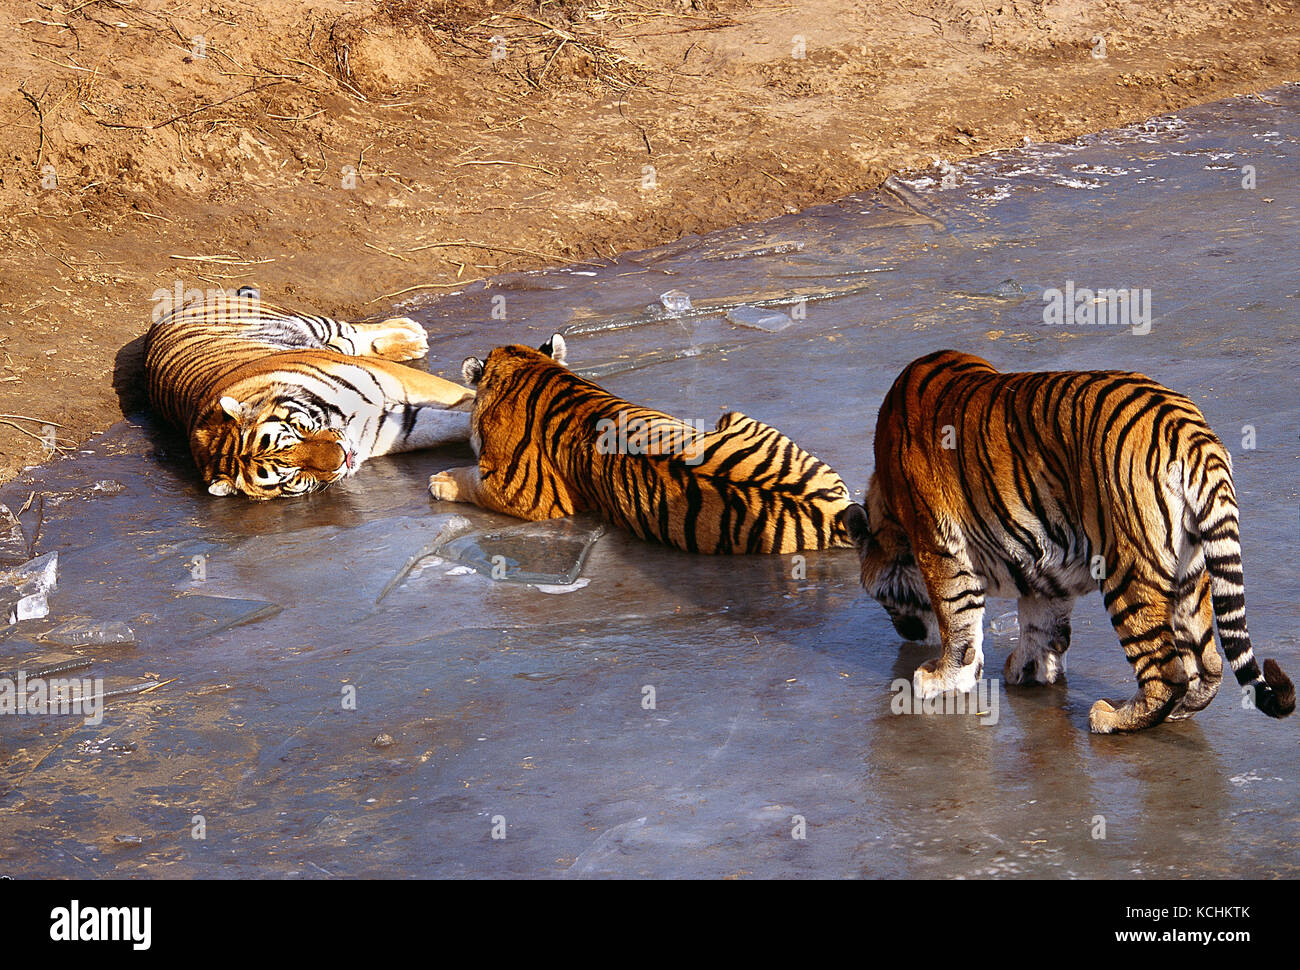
[[1039, 657], [397, 338], [412, 386], [957, 597], [1142, 616], [1193, 623]]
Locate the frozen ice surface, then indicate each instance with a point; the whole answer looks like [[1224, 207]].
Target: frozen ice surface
[[771, 249], [195, 615], [782, 295], [668, 714], [13, 544], [454, 526]]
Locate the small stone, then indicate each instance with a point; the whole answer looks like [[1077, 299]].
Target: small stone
[[384, 741]]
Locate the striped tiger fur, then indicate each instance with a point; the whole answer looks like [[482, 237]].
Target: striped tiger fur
[[277, 403], [551, 444], [1044, 486]]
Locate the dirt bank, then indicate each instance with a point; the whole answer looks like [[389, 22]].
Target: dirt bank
[[339, 154]]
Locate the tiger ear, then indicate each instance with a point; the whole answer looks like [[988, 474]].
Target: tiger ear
[[555, 348], [472, 370], [222, 486], [232, 408], [854, 521]]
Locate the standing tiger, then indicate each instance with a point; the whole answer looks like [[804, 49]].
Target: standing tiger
[[278, 404], [1042, 486], [551, 444]]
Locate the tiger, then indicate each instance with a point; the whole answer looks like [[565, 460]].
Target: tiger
[[550, 444], [1044, 486], [280, 404]]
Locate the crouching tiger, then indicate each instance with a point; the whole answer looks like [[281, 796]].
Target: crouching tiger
[[550, 444], [1044, 486], [279, 404]]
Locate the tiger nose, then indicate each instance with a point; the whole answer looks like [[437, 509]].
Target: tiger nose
[[326, 456]]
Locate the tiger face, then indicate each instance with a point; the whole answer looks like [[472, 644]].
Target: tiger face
[[889, 570], [272, 451]]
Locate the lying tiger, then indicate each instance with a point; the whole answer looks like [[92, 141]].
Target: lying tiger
[[279, 404], [543, 438], [1044, 486]]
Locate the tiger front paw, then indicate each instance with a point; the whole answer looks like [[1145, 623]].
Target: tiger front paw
[[1103, 718], [930, 679], [1026, 665], [443, 487], [402, 339]]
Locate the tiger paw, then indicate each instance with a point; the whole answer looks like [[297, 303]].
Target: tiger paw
[[1103, 718], [930, 680], [400, 338], [1199, 694], [1027, 666], [443, 488]]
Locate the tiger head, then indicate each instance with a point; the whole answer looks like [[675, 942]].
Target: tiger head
[[504, 360], [472, 369], [889, 570], [269, 450]]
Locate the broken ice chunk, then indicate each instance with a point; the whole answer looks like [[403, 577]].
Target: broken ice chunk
[[41, 572], [34, 606], [758, 318], [550, 553], [24, 590], [79, 633], [675, 301], [1006, 625]]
